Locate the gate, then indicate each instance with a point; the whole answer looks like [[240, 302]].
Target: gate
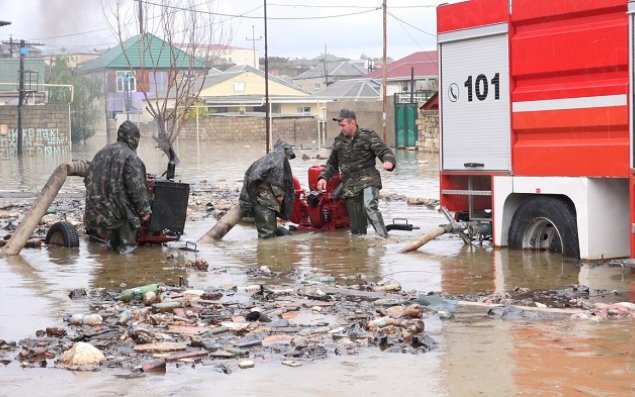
[[405, 124]]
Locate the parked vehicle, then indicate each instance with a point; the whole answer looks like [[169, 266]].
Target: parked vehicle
[[536, 123]]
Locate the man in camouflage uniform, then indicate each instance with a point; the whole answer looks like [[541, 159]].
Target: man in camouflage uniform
[[267, 191], [353, 153], [116, 197]]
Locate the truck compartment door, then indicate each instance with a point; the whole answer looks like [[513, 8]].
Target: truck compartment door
[[475, 121]]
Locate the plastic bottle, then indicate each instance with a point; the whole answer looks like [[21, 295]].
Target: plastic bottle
[[387, 287], [322, 279], [137, 292]]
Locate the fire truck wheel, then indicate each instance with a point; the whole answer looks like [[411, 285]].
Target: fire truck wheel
[[545, 223], [63, 234]]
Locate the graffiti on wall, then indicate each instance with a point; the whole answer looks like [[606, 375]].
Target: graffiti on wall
[[34, 141]]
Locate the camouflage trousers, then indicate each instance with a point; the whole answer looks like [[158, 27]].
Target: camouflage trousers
[[122, 239], [266, 221], [363, 208]]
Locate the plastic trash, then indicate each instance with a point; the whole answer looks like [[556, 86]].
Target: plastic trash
[[322, 279], [137, 292]]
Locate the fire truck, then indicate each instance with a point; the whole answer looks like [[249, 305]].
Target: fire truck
[[536, 123]]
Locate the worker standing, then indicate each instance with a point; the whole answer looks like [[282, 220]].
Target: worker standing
[[354, 153]]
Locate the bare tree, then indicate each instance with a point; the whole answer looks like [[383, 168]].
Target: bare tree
[[166, 44]]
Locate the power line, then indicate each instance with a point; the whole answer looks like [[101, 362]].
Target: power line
[[428, 6], [260, 17], [346, 6], [72, 34], [412, 26], [406, 31], [153, 17], [321, 6], [327, 16], [366, 9]]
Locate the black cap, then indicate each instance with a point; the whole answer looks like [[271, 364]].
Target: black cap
[[345, 114]]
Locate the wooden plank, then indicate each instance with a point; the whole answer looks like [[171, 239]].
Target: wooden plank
[[186, 329], [160, 347], [183, 356]]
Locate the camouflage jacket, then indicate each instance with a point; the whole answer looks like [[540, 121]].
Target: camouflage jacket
[[267, 177], [116, 188], [355, 158]]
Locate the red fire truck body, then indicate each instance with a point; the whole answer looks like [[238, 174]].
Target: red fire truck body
[[536, 122]]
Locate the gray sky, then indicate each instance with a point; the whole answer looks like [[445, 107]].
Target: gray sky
[[295, 28]]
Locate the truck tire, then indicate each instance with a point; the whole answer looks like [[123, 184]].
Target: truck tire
[[63, 234], [545, 223]]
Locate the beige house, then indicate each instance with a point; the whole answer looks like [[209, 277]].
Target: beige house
[[74, 59], [241, 89]]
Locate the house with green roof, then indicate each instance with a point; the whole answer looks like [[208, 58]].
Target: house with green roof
[[143, 63]]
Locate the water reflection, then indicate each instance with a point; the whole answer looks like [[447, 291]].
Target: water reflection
[[28, 173], [336, 253], [63, 256], [546, 358], [212, 162], [142, 267], [487, 270], [574, 358], [32, 295]]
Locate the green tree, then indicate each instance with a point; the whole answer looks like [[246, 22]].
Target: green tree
[[85, 112]]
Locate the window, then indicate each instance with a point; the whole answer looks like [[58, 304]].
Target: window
[[126, 82], [305, 110], [239, 86]]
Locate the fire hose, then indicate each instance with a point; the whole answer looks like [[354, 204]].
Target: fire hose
[[464, 229], [223, 226], [42, 202]]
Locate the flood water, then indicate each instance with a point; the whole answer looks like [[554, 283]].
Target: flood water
[[476, 355]]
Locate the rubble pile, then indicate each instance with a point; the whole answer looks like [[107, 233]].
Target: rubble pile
[[144, 328], [619, 310]]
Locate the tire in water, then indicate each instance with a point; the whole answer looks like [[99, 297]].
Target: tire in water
[[545, 223], [63, 234]]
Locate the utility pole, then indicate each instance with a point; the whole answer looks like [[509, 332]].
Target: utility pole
[[13, 43], [384, 72], [23, 51], [253, 43], [267, 115], [140, 17], [325, 68]]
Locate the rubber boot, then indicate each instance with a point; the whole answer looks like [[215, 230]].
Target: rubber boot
[[282, 231], [371, 206], [265, 221], [377, 221], [124, 239], [357, 215]]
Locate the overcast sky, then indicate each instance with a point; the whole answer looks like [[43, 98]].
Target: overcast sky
[[295, 28]]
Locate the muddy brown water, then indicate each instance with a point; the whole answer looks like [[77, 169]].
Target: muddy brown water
[[476, 355]]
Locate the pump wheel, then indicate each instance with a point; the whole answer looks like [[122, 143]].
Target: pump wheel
[[545, 223], [63, 234]]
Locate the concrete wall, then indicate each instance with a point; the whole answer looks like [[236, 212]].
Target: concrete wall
[[251, 129], [301, 130], [369, 115], [45, 129], [428, 125]]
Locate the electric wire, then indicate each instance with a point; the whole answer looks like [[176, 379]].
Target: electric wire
[[240, 16]]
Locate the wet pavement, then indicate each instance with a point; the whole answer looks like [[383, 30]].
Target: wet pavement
[[476, 353]]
